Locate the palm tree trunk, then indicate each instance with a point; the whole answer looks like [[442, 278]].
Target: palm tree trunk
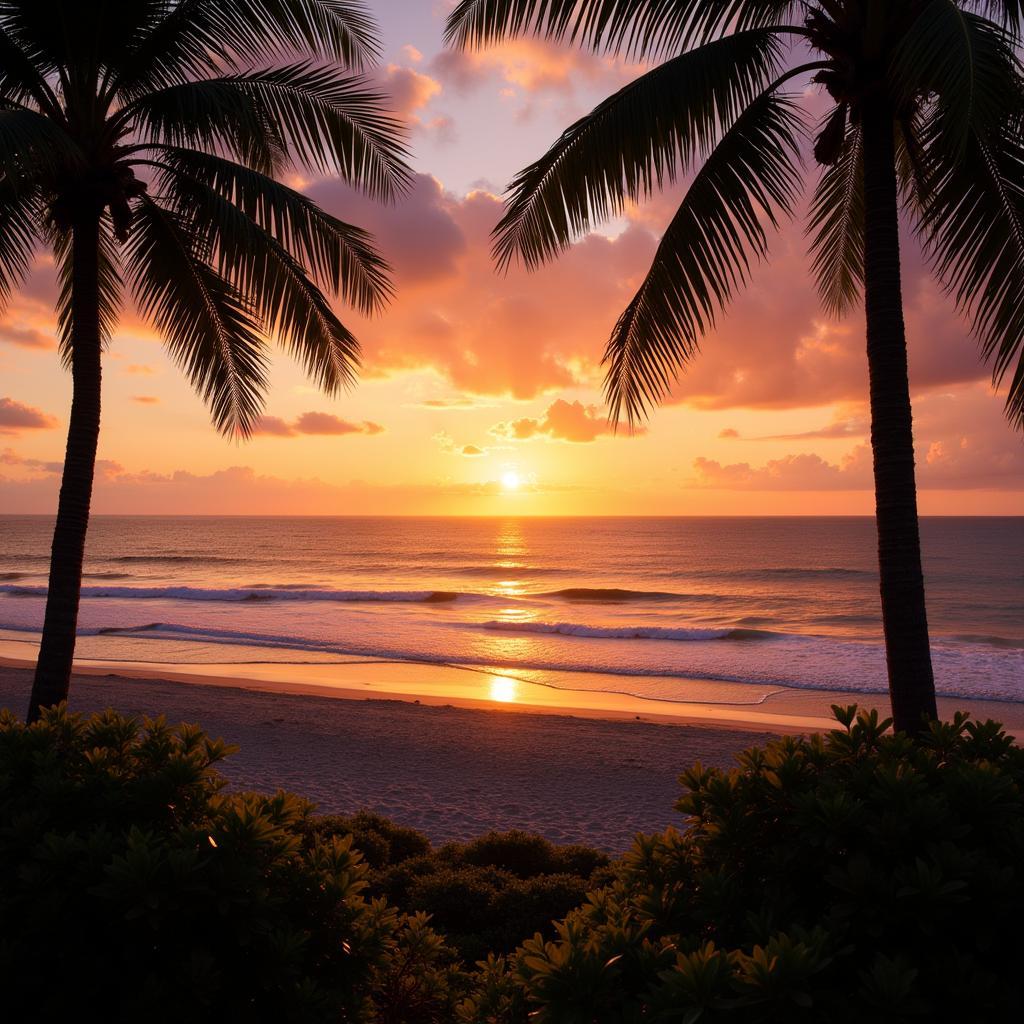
[[57, 648], [904, 619]]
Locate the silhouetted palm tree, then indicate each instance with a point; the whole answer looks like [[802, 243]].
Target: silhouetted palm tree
[[926, 114], [144, 141]]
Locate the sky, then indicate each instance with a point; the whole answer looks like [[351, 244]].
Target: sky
[[481, 392]]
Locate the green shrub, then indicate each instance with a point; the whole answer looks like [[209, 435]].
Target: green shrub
[[132, 888], [380, 841], [853, 876], [484, 896]]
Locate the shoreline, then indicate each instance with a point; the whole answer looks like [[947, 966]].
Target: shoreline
[[751, 707], [452, 772], [447, 759]]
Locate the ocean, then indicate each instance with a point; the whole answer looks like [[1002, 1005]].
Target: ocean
[[638, 605]]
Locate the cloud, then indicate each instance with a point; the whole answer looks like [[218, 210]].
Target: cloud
[[962, 442], [409, 90], [729, 432], [324, 423], [15, 416], [321, 424], [447, 444], [146, 399], [460, 404], [563, 421], [139, 370], [516, 334], [9, 457], [790, 473], [27, 337], [236, 490], [531, 66], [842, 426]]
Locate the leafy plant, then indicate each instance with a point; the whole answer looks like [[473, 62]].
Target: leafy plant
[[485, 896], [844, 877], [132, 886]]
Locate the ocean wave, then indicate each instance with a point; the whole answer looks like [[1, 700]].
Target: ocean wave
[[617, 594], [244, 594], [626, 632], [780, 572], [197, 559]]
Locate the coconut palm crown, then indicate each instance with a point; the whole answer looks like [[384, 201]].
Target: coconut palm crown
[[145, 143], [925, 118]]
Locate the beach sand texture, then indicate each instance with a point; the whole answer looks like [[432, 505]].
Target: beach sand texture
[[451, 772]]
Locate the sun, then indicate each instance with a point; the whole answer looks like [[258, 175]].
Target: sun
[[510, 480]]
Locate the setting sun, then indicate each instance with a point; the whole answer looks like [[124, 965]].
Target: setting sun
[[510, 480]]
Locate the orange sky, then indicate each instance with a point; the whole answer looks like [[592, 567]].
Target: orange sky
[[472, 379]]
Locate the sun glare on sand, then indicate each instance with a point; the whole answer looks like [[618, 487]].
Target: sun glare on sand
[[510, 480], [503, 690]]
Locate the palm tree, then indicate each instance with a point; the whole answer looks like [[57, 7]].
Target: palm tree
[[144, 142], [925, 115]]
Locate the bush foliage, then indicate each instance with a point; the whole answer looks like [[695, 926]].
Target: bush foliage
[[132, 888], [853, 876], [484, 896]]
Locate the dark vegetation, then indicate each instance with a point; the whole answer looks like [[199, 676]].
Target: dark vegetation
[[487, 895], [854, 876]]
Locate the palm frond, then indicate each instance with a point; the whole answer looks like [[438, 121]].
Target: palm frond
[[973, 229], [641, 29], [111, 285], [1008, 13], [72, 34], [197, 37], [20, 78], [340, 256], [33, 146], [836, 225], [272, 281], [20, 215], [320, 118], [704, 255], [211, 331], [637, 140], [965, 62]]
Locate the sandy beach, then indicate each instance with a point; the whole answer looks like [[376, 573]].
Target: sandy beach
[[454, 763], [453, 772]]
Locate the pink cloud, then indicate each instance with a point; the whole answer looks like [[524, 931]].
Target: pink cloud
[[27, 337], [518, 334], [146, 399], [961, 439], [409, 90], [532, 66], [563, 421], [16, 416], [323, 424]]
